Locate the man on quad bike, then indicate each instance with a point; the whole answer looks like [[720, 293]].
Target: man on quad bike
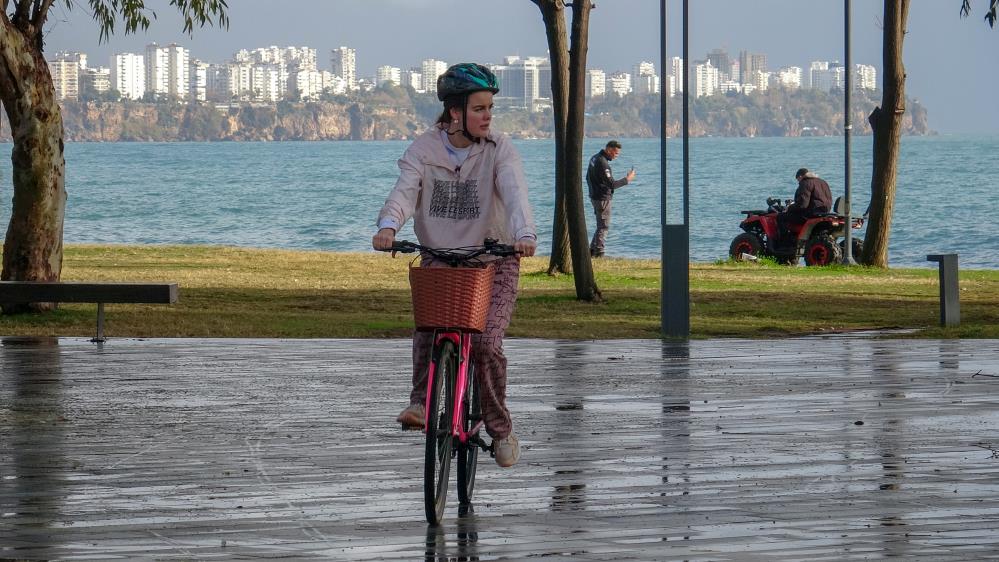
[[812, 198]]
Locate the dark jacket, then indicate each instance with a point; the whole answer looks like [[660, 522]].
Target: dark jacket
[[813, 196], [599, 178]]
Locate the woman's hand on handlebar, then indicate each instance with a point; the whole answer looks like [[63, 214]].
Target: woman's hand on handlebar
[[384, 239], [525, 247]]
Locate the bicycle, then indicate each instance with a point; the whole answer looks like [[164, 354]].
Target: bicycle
[[452, 302]]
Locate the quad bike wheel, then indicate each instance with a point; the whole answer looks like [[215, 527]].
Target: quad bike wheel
[[746, 243], [856, 245], [822, 250]]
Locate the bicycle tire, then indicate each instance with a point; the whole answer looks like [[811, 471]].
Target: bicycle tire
[[437, 464], [468, 454]]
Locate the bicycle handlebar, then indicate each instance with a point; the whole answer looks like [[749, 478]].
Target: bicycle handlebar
[[455, 256]]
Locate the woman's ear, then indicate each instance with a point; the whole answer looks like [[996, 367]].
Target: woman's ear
[[455, 115]]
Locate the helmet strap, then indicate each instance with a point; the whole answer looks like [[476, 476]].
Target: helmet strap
[[464, 121]]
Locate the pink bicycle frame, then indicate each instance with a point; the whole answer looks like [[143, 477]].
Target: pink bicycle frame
[[463, 342]]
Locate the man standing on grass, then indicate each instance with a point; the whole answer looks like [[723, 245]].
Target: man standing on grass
[[602, 185]]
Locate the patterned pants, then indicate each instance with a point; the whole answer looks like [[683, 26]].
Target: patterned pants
[[487, 352], [602, 209]]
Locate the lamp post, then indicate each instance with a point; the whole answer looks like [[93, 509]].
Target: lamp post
[[847, 129], [675, 286]]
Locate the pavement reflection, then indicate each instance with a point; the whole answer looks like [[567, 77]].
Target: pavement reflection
[[33, 493], [463, 534]]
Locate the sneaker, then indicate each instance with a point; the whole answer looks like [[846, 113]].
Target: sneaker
[[507, 451], [413, 416]]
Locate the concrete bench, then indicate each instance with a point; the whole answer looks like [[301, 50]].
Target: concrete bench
[[17, 292]]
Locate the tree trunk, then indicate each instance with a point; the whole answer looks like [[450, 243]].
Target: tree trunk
[[886, 123], [582, 266], [553, 14], [32, 248]]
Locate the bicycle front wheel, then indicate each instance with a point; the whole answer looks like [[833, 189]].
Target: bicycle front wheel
[[437, 465], [468, 454]]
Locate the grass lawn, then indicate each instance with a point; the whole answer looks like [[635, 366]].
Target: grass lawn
[[241, 292]]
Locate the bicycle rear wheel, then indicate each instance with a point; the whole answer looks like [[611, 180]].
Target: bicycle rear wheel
[[437, 464], [468, 454]]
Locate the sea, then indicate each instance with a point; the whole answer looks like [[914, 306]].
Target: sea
[[326, 195]]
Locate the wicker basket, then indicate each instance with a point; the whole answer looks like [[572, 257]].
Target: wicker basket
[[451, 297]]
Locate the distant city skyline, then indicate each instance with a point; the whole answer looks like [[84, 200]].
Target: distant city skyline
[[950, 63]]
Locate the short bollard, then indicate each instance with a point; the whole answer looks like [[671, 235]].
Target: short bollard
[[950, 303]]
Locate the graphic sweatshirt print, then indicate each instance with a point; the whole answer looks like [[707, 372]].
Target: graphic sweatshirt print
[[454, 206]]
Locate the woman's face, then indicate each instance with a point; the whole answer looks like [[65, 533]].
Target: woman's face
[[478, 113]]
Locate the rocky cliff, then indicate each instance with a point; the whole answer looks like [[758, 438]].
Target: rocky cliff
[[394, 114]]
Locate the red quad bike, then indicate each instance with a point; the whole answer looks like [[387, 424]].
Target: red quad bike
[[820, 240]]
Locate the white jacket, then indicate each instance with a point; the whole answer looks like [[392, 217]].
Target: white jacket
[[485, 197]]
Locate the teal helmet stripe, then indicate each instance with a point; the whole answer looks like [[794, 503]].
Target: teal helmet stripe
[[465, 78]]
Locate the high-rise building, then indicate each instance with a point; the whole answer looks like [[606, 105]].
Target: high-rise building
[[524, 82], [431, 69], [760, 80], [65, 68], [789, 77], [72, 56], [749, 64], [596, 83], [644, 79], [198, 76], [412, 78], [719, 59], [676, 71], [706, 80], [343, 61], [267, 82], [292, 58], [95, 80], [865, 77], [827, 76], [168, 71], [309, 85], [390, 74], [814, 69], [128, 75], [218, 82], [65, 78], [619, 83]]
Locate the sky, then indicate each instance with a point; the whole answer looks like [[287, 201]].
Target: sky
[[951, 62]]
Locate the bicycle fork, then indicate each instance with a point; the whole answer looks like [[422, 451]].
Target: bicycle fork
[[463, 342]]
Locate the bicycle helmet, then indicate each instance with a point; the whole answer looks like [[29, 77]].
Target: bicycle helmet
[[465, 78]]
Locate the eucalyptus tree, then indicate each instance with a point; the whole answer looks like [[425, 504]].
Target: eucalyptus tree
[[568, 62], [32, 249], [886, 124]]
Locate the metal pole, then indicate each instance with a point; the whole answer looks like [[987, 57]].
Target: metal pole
[[663, 214], [686, 113], [675, 311], [676, 237], [847, 129]]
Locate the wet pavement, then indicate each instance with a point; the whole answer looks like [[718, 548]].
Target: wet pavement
[[822, 448]]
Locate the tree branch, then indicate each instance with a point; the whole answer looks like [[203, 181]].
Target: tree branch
[[10, 79], [21, 11], [41, 13]]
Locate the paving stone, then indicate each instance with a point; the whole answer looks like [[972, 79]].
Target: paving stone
[[820, 448]]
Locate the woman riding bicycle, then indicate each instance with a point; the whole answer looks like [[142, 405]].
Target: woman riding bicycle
[[463, 183]]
